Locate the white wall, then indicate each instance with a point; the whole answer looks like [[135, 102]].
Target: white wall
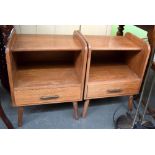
[[63, 29]]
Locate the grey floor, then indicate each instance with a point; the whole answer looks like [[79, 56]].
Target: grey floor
[[59, 116]]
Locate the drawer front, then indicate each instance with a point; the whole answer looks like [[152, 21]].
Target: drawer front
[[47, 95], [102, 90]]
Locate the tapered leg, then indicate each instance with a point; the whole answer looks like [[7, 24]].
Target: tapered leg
[[5, 119], [130, 103], [85, 109], [20, 116], [75, 108]]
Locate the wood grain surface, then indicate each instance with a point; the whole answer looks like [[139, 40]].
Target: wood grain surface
[[115, 65], [111, 43], [33, 96], [28, 42]]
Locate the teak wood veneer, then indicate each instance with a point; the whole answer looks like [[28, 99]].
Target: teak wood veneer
[[46, 69], [115, 67]]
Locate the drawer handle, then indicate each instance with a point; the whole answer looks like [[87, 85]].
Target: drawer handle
[[114, 90], [49, 97]]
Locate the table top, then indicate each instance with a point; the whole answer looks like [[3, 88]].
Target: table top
[[111, 43], [29, 42]]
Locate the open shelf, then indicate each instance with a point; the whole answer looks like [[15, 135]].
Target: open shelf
[[46, 75], [111, 72], [111, 43], [111, 66], [29, 42], [46, 69]]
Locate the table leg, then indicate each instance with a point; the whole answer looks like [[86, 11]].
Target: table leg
[[20, 116], [130, 103], [75, 109], [85, 109]]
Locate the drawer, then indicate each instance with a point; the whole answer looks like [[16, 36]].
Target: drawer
[[47, 95], [101, 90]]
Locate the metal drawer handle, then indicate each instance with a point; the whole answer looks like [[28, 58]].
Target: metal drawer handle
[[114, 90], [49, 97]]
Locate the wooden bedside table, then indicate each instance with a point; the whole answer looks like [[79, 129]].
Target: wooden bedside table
[[46, 69], [115, 67]]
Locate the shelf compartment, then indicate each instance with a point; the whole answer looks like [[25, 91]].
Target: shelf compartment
[[28, 42], [108, 72], [47, 75], [45, 68]]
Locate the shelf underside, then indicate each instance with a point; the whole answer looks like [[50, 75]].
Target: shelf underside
[[111, 43], [112, 72], [29, 42], [47, 75]]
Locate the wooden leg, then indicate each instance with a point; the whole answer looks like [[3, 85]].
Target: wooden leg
[[5, 119], [75, 108], [130, 103], [20, 116], [85, 109]]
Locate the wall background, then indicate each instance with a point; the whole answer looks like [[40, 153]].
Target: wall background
[[85, 29], [63, 29]]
